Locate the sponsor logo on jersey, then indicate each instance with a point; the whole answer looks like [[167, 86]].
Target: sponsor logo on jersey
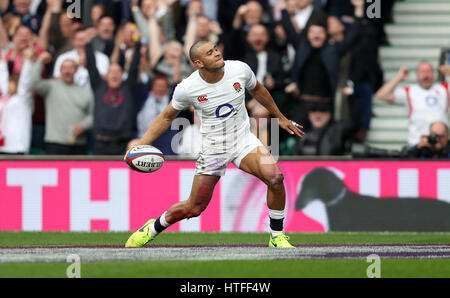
[[225, 110], [202, 98], [431, 100]]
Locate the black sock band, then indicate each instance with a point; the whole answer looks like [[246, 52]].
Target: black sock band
[[276, 224], [158, 227]]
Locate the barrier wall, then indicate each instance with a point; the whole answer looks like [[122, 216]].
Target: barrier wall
[[321, 196]]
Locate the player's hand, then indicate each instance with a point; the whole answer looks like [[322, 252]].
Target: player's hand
[[291, 127], [131, 144]]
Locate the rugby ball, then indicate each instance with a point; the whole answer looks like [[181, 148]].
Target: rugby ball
[[145, 159]]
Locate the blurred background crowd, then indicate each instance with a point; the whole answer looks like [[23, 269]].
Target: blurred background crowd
[[90, 83]]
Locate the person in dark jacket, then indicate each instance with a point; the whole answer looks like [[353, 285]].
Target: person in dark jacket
[[314, 76], [435, 144], [114, 110], [324, 136]]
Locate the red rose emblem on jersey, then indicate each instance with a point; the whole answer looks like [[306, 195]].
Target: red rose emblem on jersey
[[237, 87]]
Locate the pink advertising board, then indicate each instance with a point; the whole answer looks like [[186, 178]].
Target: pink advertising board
[[106, 195]]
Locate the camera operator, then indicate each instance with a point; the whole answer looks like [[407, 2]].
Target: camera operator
[[435, 145]]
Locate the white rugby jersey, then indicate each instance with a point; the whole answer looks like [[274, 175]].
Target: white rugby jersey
[[425, 107], [220, 106]]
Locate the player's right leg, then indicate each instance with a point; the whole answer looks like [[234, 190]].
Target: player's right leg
[[201, 193]]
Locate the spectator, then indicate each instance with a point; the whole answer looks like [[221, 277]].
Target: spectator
[[324, 136], [366, 75], [263, 60], [427, 100], [58, 29], [296, 15], [125, 45], [104, 35], [78, 54], [97, 12], [22, 39], [164, 12], [16, 107], [20, 9], [69, 108], [200, 28], [169, 59], [247, 15], [114, 116], [156, 101], [315, 73], [435, 144]]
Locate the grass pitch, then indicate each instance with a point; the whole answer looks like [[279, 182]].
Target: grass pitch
[[334, 263]]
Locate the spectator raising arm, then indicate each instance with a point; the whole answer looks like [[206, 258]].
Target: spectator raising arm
[[38, 84], [191, 31], [23, 88], [4, 40], [91, 65], [387, 91], [134, 67], [156, 50]]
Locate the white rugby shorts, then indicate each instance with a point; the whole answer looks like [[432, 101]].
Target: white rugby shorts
[[213, 160]]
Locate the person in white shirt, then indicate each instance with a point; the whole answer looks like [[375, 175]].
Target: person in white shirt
[[78, 54], [217, 91], [303, 13], [16, 107], [428, 101]]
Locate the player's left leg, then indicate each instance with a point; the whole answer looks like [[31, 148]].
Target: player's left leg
[[263, 165]]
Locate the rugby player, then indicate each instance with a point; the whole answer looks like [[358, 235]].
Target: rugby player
[[217, 91]]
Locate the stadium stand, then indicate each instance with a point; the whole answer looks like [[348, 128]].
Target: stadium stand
[[419, 31]]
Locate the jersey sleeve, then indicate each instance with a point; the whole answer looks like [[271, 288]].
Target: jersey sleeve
[[180, 100], [400, 95], [250, 78]]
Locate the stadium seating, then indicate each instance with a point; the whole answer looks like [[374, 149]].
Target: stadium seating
[[420, 30]]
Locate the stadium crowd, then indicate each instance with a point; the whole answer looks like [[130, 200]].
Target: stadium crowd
[[89, 84]]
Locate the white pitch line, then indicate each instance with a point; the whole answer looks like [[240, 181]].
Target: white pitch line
[[59, 255]]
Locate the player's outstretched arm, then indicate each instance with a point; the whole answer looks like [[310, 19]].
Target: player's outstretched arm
[[262, 95], [158, 126]]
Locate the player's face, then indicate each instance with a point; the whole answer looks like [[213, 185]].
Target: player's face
[[210, 57]]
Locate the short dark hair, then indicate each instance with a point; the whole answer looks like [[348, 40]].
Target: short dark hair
[[193, 51]]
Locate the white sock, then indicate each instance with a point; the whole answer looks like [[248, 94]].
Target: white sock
[[163, 221]]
